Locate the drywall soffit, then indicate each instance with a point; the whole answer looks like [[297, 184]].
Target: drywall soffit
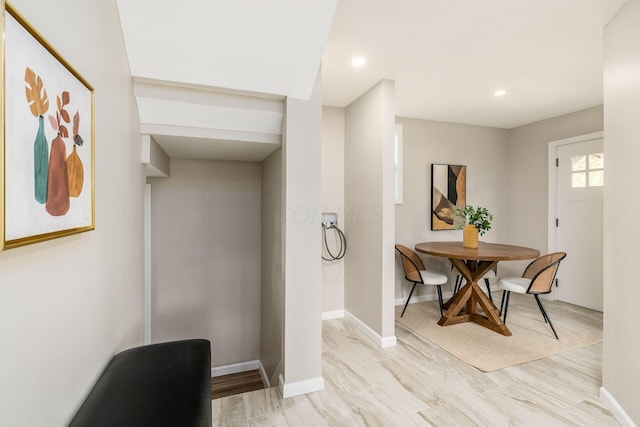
[[202, 123]]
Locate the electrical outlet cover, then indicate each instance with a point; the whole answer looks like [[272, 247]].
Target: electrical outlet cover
[[329, 219]]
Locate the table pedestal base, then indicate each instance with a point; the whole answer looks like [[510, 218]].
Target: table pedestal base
[[469, 297]]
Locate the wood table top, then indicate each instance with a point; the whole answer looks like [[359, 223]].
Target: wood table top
[[484, 252]]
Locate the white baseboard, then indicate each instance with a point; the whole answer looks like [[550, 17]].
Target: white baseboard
[[275, 377], [383, 342], [335, 314], [422, 298], [263, 373], [300, 387], [250, 365], [391, 341], [614, 407]]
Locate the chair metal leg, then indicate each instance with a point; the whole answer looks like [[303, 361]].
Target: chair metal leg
[[456, 288], [486, 282], [544, 313], [506, 307], [504, 293], [439, 300], [408, 299]]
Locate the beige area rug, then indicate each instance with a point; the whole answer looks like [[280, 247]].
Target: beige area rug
[[532, 338]]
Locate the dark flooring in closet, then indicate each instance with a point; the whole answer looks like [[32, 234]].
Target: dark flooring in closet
[[242, 382]]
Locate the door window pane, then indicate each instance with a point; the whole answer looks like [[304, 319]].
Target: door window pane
[[587, 170], [578, 163], [596, 178], [578, 179], [596, 161]]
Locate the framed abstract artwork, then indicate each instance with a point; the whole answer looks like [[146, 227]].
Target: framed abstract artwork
[[448, 192], [48, 145]]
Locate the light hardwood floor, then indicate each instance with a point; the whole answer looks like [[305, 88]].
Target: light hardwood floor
[[418, 384]]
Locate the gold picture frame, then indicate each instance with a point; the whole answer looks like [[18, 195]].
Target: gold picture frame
[[48, 139]]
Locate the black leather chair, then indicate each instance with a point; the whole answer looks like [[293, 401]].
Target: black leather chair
[[166, 384]]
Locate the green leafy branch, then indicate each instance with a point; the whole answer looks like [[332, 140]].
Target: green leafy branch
[[479, 217]]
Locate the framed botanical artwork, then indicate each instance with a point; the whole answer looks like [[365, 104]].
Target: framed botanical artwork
[[448, 192], [48, 140]]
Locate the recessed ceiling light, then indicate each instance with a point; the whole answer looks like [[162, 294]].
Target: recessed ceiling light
[[500, 92], [358, 61]]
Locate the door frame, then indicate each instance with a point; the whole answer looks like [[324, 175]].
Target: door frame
[[147, 263], [552, 200]]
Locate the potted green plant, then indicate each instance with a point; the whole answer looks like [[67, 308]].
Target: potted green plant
[[474, 221]]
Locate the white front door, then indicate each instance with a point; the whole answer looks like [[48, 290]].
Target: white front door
[[580, 183]]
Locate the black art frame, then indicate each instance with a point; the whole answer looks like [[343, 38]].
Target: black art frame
[[448, 192]]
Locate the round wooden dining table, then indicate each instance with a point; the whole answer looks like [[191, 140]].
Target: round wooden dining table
[[472, 265]]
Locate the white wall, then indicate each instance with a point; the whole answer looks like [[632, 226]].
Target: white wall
[[333, 201], [483, 150], [527, 184], [621, 352], [206, 238], [67, 305], [369, 207], [495, 159], [303, 269], [272, 290]]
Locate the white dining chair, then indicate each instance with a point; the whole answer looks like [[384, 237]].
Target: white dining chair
[[536, 280], [415, 272]]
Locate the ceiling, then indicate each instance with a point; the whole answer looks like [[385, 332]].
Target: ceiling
[[448, 57], [232, 60]]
